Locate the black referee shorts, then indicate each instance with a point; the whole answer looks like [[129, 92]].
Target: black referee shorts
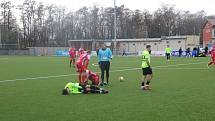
[[167, 54], [147, 71], [105, 65]]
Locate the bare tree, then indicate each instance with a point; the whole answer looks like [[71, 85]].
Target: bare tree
[[9, 26], [50, 25]]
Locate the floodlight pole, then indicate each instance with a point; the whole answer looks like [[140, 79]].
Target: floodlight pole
[[115, 43], [0, 38]]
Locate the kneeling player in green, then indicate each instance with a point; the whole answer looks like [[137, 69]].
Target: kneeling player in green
[[75, 88]]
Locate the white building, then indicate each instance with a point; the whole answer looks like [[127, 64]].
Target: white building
[[159, 44], [136, 45]]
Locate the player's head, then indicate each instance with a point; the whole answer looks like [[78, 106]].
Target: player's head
[[103, 46], [167, 45], [148, 48], [65, 92], [88, 51]]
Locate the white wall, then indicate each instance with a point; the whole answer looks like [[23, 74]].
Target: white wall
[[156, 46]]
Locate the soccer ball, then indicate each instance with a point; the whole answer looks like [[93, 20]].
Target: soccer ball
[[121, 78]]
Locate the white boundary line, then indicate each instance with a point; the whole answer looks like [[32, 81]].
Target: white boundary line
[[34, 78], [65, 75], [183, 68], [179, 65], [96, 65], [4, 58]]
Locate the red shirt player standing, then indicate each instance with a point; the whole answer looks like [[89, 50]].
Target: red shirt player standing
[[212, 52], [72, 54], [82, 65]]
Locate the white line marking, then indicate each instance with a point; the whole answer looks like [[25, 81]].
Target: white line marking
[[33, 78], [183, 68], [4, 58], [96, 65], [179, 65], [65, 75]]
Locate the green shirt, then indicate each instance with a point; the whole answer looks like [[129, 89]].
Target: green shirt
[[168, 50], [73, 87], [145, 59]]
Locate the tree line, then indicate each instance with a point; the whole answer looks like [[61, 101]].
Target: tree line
[[51, 25]]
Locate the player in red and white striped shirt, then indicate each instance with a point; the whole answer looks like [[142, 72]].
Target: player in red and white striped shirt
[[82, 65], [80, 51]]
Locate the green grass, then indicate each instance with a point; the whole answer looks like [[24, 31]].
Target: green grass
[[180, 93]]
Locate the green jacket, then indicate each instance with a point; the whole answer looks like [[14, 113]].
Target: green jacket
[[168, 50], [73, 87], [145, 59]]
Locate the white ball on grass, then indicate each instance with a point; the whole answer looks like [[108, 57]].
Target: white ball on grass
[[121, 78]]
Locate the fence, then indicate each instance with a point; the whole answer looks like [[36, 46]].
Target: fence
[[46, 51], [14, 51], [33, 51], [63, 51]]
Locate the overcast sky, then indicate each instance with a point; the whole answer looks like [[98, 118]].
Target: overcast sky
[[151, 5]]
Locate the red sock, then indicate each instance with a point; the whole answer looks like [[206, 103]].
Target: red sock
[[79, 78], [83, 78]]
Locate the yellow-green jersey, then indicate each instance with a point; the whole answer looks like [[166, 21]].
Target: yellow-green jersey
[[145, 59], [168, 50], [73, 87]]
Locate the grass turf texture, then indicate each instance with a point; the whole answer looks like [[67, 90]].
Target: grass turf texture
[[180, 93]]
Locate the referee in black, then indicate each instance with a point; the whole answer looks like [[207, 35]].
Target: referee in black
[[104, 57]]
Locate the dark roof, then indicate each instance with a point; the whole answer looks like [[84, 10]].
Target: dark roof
[[212, 21]]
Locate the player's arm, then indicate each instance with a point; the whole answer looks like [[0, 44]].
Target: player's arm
[[148, 63], [75, 53], [110, 54], [99, 57], [86, 63], [76, 86]]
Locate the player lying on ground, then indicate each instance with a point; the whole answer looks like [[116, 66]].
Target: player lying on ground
[[76, 88], [212, 52], [72, 54]]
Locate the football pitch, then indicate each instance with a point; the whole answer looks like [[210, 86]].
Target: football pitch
[[182, 90]]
